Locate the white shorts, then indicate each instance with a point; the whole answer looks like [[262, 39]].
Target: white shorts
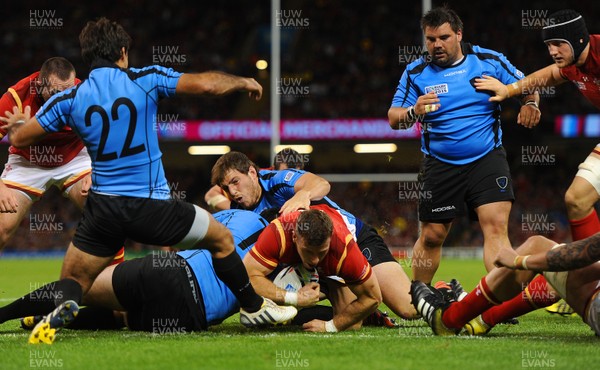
[[33, 181], [558, 279], [592, 316], [590, 170]]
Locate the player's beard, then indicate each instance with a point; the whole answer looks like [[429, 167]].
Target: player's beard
[[441, 58]]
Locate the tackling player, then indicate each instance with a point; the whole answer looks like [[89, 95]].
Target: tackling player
[[253, 189], [286, 158], [167, 293], [113, 112], [316, 238]]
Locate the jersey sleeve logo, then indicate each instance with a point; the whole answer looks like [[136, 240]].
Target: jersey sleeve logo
[[288, 176], [438, 89]]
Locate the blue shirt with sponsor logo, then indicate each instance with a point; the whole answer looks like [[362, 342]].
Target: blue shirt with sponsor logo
[[114, 113], [219, 301], [467, 125], [278, 188]]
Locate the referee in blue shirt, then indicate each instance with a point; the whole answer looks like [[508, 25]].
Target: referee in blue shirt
[[461, 137], [114, 111]]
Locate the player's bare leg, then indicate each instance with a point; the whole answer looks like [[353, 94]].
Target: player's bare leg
[[498, 285], [78, 194], [9, 222], [395, 289], [427, 250], [102, 293], [79, 191], [580, 198], [82, 267], [217, 240], [493, 219]]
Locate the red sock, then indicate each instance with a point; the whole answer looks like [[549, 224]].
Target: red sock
[[534, 296], [586, 227], [476, 302]]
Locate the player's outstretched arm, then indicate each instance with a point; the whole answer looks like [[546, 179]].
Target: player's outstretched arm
[[308, 187], [547, 76], [23, 130], [566, 257], [217, 84]]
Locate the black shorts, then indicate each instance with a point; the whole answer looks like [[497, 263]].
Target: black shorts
[[449, 187], [108, 220], [158, 293], [372, 246]]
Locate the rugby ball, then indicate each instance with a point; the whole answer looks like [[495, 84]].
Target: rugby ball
[[292, 278]]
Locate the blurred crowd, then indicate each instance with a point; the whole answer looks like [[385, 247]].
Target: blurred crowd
[[346, 57], [538, 209], [340, 71]]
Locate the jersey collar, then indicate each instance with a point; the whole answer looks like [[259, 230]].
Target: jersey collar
[[103, 63]]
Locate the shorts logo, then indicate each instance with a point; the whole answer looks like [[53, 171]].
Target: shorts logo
[[288, 176], [367, 253], [438, 89], [502, 182]]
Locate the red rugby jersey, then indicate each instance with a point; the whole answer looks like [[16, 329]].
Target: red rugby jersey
[[587, 76], [55, 149], [344, 259]]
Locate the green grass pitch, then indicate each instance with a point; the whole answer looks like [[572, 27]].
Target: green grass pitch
[[541, 340]]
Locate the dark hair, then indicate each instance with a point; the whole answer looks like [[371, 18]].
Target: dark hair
[[438, 16], [290, 157], [58, 66], [103, 39], [314, 226], [231, 161]]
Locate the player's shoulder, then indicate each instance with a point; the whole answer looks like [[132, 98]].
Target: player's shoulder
[[273, 176], [481, 52], [26, 85], [238, 216], [154, 69]]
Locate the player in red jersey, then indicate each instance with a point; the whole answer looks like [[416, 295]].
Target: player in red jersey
[[316, 238], [60, 159], [576, 56]]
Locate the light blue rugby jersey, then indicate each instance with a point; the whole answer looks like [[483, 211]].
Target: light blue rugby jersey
[[278, 188], [467, 125], [219, 301], [114, 113]]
